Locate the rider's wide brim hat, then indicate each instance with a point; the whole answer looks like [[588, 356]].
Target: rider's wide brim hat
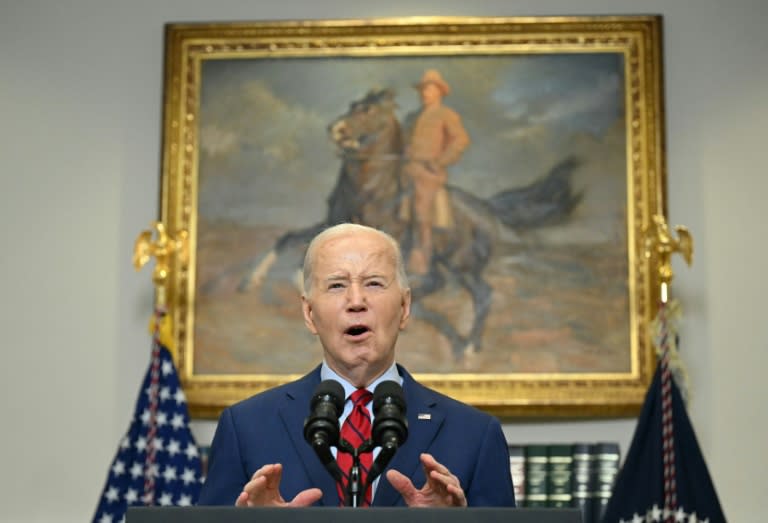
[[433, 76]]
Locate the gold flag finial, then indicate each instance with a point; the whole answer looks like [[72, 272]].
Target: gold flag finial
[[660, 242], [163, 248]]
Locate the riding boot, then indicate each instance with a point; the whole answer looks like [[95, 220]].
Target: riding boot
[[421, 255]]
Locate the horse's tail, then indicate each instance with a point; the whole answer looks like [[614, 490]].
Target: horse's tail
[[546, 201]]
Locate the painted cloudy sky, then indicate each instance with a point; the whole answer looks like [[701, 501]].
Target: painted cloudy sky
[[265, 157]]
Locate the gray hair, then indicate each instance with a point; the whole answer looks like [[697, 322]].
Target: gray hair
[[347, 228]]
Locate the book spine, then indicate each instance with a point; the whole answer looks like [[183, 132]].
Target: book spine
[[607, 467], [517, 469], [559, 473], [583, 482], [535, 475]]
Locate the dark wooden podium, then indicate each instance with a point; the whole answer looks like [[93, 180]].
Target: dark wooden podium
[[349, 515]]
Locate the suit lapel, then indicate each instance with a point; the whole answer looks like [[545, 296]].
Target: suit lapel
[[290, 413], [424, 422]]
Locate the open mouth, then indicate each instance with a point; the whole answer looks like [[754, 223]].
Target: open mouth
[[357, 330]]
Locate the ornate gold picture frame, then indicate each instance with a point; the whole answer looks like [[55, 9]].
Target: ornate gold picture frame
[[269, 135]]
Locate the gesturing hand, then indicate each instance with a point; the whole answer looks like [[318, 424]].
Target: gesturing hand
[[442, 489], [264, 490]]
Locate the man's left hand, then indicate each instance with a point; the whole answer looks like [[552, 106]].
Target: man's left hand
[[442, 489]]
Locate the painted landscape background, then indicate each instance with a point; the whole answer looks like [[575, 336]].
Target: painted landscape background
[[560, 301]]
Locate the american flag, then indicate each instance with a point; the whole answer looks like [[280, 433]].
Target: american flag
[[664, 478], [157, 462]]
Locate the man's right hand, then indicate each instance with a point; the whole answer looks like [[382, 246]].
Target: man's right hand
[[264, 490]]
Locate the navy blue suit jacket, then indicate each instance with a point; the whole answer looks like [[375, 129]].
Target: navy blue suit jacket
[[268, 428]]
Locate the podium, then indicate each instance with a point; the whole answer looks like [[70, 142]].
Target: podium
[[350, 515]]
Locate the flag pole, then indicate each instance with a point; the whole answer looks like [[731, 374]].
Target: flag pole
[[158, 461], [664, 477], [661, 244], [165, 249]]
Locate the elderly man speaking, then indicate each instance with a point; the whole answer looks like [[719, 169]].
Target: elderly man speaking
[[356, 301]]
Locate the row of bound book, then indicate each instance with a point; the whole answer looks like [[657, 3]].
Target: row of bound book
[[565, 475]]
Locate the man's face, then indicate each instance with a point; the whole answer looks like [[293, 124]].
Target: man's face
[[356, 306], [430, 94]]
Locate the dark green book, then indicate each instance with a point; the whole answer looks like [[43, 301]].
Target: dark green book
[[559, 472], [535, 475], [606, 468], [583, 480]]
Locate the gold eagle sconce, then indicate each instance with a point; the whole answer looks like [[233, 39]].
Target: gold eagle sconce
[[661, 243], [164, 248]]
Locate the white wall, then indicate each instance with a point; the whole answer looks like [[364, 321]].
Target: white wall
[[80, 105]]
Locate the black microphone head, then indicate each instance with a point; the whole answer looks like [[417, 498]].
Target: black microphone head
[[390, 426], [329, 390], [321, 428], [388, 392]]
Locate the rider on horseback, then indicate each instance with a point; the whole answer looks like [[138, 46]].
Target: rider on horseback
[[435, 139]]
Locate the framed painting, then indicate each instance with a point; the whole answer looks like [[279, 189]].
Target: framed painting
[[534, 296]]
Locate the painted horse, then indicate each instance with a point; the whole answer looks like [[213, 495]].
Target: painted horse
[[371, 190]]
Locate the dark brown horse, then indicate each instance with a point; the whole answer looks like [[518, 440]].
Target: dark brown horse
[[370, 190]]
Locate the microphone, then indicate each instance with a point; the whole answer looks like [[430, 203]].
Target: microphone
[[390, 426], [321, 428]]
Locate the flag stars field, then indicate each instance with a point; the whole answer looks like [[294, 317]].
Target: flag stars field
[[157, 444], [169, 474], [132, 496], [177, 421], [191, 451], [118, 468], [137, 470], [657, 515], [180, 397], [165, 393], [189, 476], [173, 448], [139, 477], [112, 495]]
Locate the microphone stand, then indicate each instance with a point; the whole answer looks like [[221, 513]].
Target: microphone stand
[[380, 463], [354, 490], [323, 451]]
